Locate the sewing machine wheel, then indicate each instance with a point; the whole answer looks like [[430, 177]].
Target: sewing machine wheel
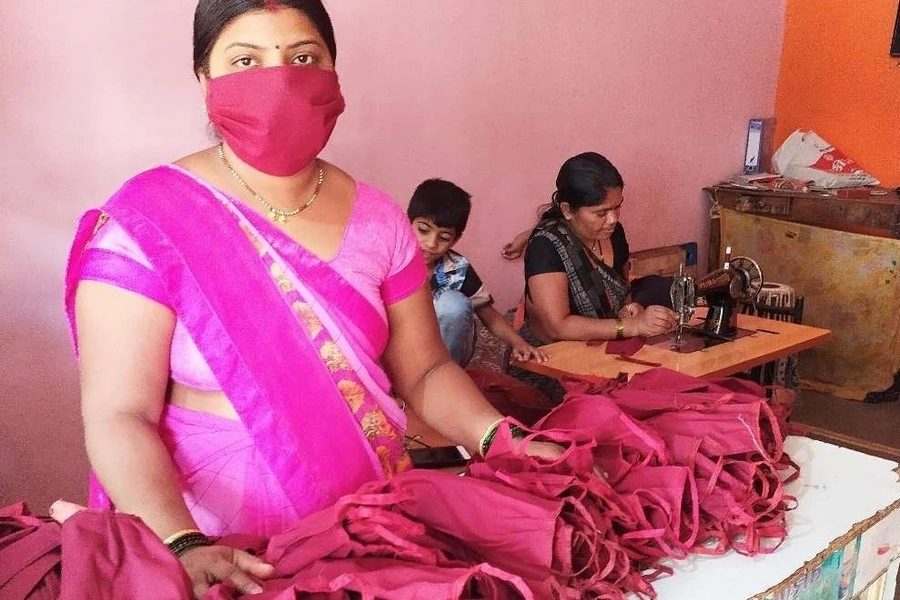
[[753, 274]]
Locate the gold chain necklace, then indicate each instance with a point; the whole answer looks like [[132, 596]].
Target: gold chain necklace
[[275, 213]]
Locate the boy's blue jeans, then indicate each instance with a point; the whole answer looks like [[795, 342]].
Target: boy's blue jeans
[[456, 318]]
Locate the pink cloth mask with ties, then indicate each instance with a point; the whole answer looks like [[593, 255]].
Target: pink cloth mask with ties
[[276, 119]]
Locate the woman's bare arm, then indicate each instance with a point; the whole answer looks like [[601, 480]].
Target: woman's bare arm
[[423, 374], [124, 341], [124, 344]]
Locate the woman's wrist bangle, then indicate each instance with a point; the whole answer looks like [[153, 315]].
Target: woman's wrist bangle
[[620, 329], [491, 432], [488, 436], [178, 534], [182, 541]]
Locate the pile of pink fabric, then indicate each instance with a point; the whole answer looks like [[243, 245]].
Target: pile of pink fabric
[[690, 466], [29, 555]]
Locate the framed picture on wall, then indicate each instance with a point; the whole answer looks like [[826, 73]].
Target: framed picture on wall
[[895, 45]]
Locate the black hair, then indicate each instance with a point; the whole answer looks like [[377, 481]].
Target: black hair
[[443, 202], [583, 180], [211, 17]]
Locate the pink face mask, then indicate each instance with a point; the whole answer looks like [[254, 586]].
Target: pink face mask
[[276, 119]]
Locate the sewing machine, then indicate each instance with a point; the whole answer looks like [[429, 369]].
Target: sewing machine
[[740, 278]]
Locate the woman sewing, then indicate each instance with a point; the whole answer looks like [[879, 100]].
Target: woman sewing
[[576, 287], [575, 282], [238, 331]]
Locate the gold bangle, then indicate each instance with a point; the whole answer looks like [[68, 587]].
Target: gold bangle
[[179, 534], [620, 329], [188, 541]]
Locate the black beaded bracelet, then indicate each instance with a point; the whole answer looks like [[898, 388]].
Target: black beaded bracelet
[[182, 543], [517, 432]]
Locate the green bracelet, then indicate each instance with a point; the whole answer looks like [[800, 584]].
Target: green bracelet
[[488, 437]]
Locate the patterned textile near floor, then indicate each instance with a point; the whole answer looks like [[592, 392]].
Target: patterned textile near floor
[[491, 353]]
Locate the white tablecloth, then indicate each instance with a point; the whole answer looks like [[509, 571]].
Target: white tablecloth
[[837, 489]]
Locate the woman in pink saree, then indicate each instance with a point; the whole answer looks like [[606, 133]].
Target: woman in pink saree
[[242, 314]]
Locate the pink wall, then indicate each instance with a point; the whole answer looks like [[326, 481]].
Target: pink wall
[[493, 95]]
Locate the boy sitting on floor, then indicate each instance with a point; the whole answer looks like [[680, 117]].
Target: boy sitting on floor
[[439, 211]]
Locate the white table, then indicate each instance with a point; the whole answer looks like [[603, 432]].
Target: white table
[[842, 494]]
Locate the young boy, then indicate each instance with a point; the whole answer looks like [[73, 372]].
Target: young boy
[[439, 211]]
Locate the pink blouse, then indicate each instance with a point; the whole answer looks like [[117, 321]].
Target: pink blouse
[[378, 255]]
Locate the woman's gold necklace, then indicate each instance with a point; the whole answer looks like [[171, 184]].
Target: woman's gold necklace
[[275, 213]]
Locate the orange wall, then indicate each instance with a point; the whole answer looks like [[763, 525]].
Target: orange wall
[[838, 79]]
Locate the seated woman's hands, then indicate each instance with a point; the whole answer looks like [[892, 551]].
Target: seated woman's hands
[[650, 321], [632, 309]]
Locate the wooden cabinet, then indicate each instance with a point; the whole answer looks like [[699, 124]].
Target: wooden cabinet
[[855, 211], [843, 255]]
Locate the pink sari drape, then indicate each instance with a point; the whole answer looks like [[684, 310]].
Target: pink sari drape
[[284, 334]]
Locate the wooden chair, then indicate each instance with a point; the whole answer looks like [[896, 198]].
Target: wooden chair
[[782, 371]]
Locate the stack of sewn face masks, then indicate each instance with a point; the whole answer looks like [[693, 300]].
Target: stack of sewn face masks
[[688, 465]]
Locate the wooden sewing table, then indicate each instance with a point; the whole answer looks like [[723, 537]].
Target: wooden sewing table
[[771, 340]]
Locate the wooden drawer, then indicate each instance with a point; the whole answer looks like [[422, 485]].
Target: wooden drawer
[[869, 215]]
